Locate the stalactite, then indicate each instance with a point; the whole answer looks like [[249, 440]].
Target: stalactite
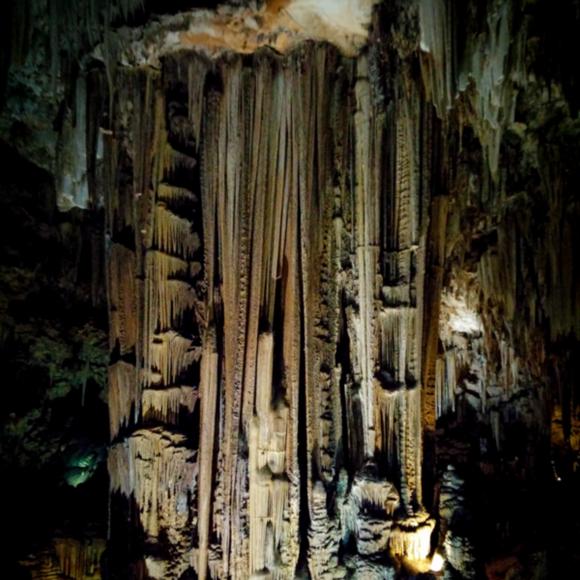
[[167, 299], [170, 193], [278, 230], [172, 160], [123, 396], [197, 70], [446, 383], [331, 272], [208, 392], [164, 404], [72, 176], [162, 266], [152, 292], [436, 41], [450, 69], [173, 234], [389, 402], [122, 298], [295, 229], [412, 538], [366, 226], [174, 298], [170, 355]]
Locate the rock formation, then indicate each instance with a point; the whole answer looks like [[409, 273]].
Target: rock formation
[[342, 277]]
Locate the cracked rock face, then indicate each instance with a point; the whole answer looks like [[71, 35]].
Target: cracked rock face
[[342, 277]]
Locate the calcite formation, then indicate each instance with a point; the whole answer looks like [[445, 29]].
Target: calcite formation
[[342, 271], [267, 279], [284, 225]]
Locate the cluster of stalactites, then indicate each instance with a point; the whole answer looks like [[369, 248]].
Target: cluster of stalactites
[[310, 318], [287, 234], [154, 268], [489, 68]]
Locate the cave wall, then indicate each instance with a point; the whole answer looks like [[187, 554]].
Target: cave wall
[[343, 290]]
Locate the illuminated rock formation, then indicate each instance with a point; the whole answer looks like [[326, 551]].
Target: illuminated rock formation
[[290, 223], [302, 316], [342, 275]]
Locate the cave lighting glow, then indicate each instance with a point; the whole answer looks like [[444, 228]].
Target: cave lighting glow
[[437, 562], [462, 319]]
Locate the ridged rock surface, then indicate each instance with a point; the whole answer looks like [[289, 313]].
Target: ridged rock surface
[[343, 282]]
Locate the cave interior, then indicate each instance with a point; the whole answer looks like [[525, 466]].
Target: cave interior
[[290, 289]]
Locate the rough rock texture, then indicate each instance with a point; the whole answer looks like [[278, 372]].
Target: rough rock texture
[[343, 284], [246, 261], [68, 558]]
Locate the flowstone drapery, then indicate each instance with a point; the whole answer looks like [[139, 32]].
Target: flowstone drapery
[[266, 276]]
